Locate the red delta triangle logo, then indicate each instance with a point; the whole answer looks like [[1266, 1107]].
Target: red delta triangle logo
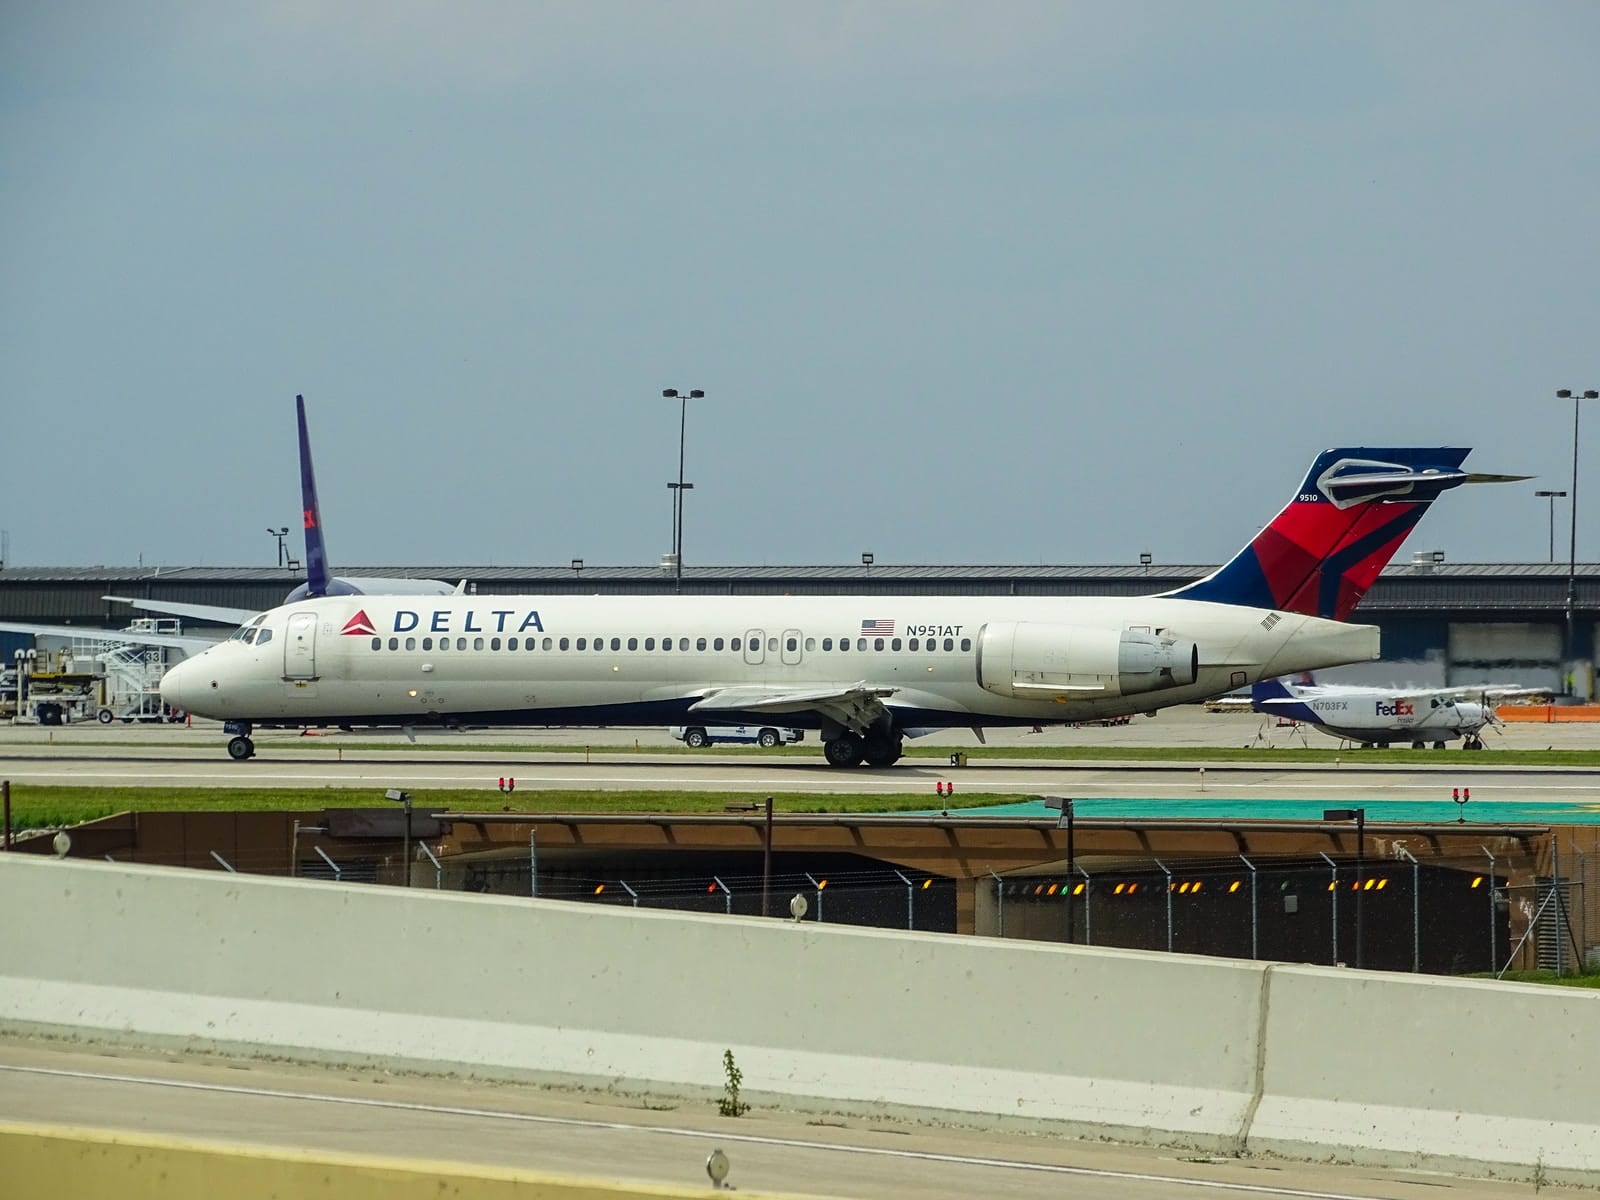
[[359, 626]]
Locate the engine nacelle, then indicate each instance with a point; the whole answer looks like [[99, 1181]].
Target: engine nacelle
[[1035, 660]]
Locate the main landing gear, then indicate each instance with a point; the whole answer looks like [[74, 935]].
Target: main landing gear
[[875, 749], [240, 747]]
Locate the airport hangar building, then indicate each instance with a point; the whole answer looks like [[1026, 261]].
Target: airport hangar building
[[1443, 623]]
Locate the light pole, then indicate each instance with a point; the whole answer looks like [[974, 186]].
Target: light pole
[[1551, 496], [766, 848], [680, 487], [1063, 805], [280, 533], [403, 798], [1572, 549], [1359, 816]]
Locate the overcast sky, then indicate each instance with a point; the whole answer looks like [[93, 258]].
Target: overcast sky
[[1001, 283]]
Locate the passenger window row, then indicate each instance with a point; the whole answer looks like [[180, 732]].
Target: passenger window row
[[681, 645]]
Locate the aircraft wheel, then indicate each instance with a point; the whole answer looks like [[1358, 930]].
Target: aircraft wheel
[[241, 748], [696, 739], [1472, 743], [843, 751], [1418, 746], [767, 739], [882, 751], [1438, 745], [105, 716]]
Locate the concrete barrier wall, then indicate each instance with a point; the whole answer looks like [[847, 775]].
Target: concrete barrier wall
[[1108, 1040], [1211, 1052], [1425, 1069]]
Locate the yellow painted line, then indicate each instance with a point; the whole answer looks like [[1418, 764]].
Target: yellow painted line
[[47, 1162]]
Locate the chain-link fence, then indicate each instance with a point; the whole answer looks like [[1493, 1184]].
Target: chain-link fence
[[1447, 915], [884, 898]]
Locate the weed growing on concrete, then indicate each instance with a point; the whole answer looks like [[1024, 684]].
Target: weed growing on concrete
[[730, 1105]]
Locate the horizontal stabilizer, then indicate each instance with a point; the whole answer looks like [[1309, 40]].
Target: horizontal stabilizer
[[195, 612], [111, 637]]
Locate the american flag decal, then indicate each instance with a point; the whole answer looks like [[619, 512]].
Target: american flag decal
[[878, 628]]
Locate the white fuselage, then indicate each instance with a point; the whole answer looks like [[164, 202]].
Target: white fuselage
[[941, 660]]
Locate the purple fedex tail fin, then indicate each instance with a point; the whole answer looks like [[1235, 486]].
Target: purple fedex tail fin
[[1322, 553], [1276, 698]]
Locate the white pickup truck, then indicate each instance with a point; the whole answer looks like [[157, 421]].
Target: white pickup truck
[[765, 736]]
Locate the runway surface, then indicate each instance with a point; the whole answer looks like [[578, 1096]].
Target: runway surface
[[604, 1137], [628, 760]]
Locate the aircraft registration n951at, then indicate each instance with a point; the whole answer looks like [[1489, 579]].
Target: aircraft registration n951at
[[865, 671]]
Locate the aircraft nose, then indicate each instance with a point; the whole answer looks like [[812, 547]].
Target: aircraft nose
[[181, 685]]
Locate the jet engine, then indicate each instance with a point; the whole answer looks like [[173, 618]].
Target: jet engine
[[1036, 660]]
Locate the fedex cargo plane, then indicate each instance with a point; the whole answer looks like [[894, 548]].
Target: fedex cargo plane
[[1374, 716], [864, 671]]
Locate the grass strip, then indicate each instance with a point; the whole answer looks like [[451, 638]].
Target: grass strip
[[48, 806]]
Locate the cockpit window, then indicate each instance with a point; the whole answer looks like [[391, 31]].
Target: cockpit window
[[246, 632], [263, 637]]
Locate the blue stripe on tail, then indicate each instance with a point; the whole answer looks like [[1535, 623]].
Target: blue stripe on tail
[[1276, 689]]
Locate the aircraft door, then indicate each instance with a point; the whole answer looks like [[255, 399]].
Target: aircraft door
[[790, 647], [755, 643], [300, 647]]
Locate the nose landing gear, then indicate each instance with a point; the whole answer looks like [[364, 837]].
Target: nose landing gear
[[240, 747]]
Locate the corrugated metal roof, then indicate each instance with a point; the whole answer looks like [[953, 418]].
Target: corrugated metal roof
[[855, 572]]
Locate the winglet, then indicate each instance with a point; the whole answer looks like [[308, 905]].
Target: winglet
[[311, 512]]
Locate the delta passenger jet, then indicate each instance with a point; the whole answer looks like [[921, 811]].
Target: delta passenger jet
[[866, 671]]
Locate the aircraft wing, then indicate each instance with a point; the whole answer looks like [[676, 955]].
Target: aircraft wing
[[1486, 689], [188, 643], [857, 707], [196, 612]]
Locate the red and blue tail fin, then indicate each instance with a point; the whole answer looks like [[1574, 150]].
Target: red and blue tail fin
[[1325, 549]]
